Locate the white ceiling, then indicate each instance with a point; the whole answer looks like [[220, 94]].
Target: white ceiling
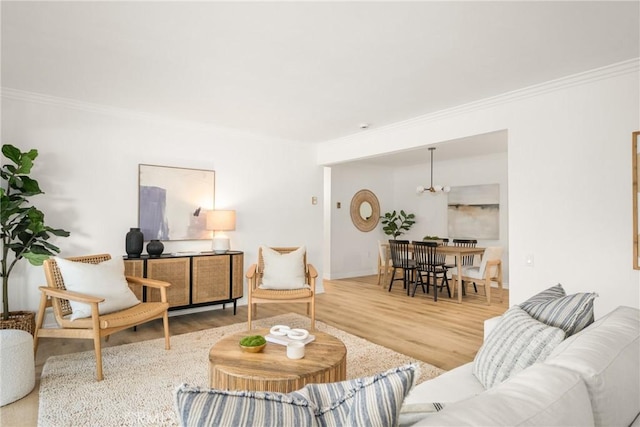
[[473, 146], [304, 71]]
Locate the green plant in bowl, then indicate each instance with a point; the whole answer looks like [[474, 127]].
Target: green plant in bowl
[[253, 343]]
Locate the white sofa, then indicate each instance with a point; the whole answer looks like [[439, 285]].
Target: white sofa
[[590, 378]]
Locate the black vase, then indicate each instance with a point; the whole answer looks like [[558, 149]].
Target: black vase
[[155, 248], [134, 242]]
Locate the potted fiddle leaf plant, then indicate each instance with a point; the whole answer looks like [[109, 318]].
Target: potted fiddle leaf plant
[[22, 228], [395, 224]]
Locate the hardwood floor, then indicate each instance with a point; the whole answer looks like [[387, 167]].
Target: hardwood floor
[[444, 333]]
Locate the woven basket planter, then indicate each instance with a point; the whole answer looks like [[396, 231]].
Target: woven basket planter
[[23, 320]]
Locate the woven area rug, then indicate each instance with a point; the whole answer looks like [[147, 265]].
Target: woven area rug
[[139, 378]]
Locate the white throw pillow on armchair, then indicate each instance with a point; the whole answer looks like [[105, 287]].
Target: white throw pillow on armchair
[[105, 280], [283, 271]]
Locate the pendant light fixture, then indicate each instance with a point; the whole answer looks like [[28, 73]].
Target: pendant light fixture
[[433, 188]]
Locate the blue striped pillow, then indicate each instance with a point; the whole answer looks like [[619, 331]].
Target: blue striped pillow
[[516, 343], [571, 313], [552, 293], [370, 401], [202, 407]]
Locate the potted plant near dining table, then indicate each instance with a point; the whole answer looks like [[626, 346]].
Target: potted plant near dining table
[[22, 228], [395, 224]]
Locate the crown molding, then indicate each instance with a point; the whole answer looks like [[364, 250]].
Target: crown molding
[[609, 71], [39, 98], [606, 72]]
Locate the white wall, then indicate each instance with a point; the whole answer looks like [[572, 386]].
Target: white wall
[[88, 167], [353, 253], [569, 177]]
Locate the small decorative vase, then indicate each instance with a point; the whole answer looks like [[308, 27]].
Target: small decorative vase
[[155, 248], [134, 242]]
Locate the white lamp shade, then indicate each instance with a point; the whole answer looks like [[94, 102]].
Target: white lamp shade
[[220, 220]]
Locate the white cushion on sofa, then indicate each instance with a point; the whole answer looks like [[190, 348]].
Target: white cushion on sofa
[[607, 356], [541, 395], [451, 386]]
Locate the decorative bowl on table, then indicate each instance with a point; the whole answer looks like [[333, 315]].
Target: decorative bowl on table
[[253, 343]]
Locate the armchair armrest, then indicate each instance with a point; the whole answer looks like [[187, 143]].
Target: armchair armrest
[[251, 272], [147, 282], [73, 296], [313, 273], [253, 277]]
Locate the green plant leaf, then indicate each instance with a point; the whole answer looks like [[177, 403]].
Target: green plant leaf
[[22, 227], [30, 187], [35, 259], [11, 153]]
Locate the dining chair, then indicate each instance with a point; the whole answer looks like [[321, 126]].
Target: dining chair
[[401, 259], [467, 260], [384, 262], [429, 263], [489, 270]]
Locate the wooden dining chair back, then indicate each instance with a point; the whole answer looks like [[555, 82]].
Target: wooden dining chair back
[[288, 292], [440, 257], [56, 295], [429, 264], [489, 271], [401, 260], [467, 260]]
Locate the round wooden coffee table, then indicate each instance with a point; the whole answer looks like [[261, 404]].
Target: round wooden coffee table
[[230, 368]]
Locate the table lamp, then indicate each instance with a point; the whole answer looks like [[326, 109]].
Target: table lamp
[[220, 221]]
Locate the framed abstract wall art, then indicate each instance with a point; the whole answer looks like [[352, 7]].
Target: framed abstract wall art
[[172, 202], [473, 212]]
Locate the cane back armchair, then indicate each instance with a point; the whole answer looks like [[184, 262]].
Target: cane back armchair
[[97, 325], [258, 295]]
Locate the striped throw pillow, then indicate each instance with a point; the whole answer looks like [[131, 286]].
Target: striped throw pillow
[[571, 313], [516, 343], [368, 401], [552, 293], [202, 407]]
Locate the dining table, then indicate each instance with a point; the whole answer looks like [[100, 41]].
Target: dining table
[[456, 251]]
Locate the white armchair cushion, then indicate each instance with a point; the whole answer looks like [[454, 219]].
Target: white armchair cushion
[[105, 280], [515, 344], [283, 271]]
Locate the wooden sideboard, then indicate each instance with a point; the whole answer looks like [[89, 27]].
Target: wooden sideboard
[[196, 279]]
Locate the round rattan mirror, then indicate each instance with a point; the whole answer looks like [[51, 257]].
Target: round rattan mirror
[[365, 210]]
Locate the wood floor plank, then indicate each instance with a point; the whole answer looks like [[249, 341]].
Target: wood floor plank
[[444, 333]]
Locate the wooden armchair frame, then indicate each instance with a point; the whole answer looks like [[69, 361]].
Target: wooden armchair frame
[[258, 295], [97, 326]]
